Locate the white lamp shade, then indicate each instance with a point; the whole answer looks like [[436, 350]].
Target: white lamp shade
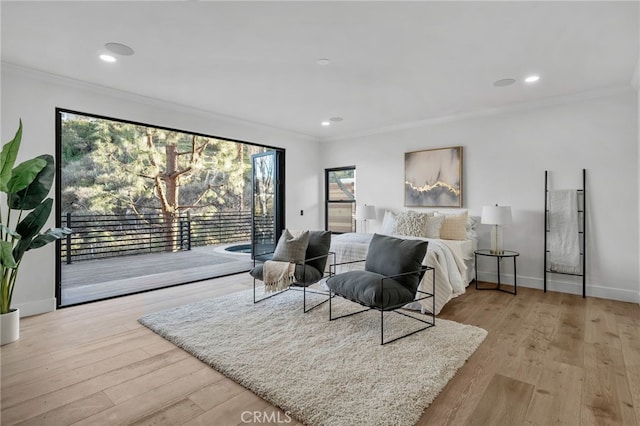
[[496, 215], [365, 212]]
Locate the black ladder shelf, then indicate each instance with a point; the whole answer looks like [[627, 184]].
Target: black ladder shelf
[[582, 219]]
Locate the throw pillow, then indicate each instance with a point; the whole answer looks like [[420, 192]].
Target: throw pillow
[[291, 249], [387, 223], [411, 223], [454, 226], [391, 256], [319, 245], [434, 224]]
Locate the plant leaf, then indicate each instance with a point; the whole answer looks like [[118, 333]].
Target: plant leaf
[[6, 255], [33, 194], [48, 237], [10, 231], [8, 158], [30, 226], [24, 174]]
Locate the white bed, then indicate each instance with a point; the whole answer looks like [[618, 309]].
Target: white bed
[[452, 259]]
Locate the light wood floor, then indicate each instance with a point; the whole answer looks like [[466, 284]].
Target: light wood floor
[[548, 359]]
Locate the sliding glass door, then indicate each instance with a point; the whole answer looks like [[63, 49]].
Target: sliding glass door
[[267, 208]]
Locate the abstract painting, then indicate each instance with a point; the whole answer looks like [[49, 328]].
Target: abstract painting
[[433, 178]]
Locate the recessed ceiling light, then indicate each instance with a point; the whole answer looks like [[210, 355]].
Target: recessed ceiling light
[[119, 49], [336, 119], [504, 82], [107, 58], [322, 61], [326, 123], [532, 79]]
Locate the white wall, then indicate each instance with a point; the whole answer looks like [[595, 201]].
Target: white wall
[[505, 156], [34, 96]]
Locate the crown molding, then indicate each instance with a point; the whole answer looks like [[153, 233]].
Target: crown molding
[[525, 106], [146, 100]]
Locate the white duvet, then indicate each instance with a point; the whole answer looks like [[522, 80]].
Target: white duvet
[[448, 264]]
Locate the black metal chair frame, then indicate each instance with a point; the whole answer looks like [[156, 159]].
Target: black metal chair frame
[[392, 308], [293, 286]]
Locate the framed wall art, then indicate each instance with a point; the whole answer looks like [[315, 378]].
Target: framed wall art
[[433, 178]]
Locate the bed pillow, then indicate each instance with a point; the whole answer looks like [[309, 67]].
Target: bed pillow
[[291, 249], [434, 225], [387, 223], [411, 223], [454, 226]]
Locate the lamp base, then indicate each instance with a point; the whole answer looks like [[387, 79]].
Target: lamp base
[[496, 240]]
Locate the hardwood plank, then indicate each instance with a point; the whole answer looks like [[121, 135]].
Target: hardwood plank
[[567, 344], [48, 401], [155, 400], [85, 356], [15, 394], [504, 402], [606, 397], [557, 396], [630, 346], [231, 411], [145, 383], [216, 393], [181, 411], [72, 412]]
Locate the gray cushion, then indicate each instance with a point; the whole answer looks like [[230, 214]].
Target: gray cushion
[[305, 274], [364, 287], [390, 256], [290, 249], [319, 244]]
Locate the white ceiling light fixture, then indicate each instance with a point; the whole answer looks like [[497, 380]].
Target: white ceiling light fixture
[[323, 61], [119, 49], [326, 123], [532, 79], [107, 58]]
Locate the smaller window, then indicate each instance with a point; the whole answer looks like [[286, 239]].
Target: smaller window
[[340, 199]]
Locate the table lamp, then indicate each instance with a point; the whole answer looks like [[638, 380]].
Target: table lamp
[[496, 216], [365, 213]]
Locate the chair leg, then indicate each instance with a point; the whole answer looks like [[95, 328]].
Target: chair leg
[[264, 298], [429, 325], [304, 300]]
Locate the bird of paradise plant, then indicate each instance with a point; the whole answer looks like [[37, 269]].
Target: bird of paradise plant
[[26, 187]]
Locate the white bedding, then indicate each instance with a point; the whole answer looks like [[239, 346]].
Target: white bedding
[[449, 258]]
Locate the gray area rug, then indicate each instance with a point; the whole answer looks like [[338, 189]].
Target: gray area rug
[[320, 372]]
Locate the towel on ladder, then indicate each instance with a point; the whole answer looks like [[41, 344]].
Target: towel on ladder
[[564, 244], [278, 275]]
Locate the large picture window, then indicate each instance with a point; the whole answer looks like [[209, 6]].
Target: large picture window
[[149, 206], [340, 199]]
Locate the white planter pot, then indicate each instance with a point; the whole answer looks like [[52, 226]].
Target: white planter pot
[[10, 326]]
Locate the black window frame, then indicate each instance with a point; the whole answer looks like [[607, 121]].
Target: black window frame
[[327, 200]]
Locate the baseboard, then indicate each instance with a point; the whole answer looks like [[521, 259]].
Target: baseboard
[[36, 307], [593, 290]]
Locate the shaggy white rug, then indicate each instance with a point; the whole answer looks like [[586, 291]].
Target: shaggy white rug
[[320, 372]]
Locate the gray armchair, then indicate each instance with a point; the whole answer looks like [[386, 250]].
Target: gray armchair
[[390, 280], [308, 271]]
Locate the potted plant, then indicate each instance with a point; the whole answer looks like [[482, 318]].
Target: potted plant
[[26, 187]]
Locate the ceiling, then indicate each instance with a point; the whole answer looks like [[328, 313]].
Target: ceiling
[[391, 63]]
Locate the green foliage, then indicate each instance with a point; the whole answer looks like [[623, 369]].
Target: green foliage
[[26, 187], [110, 167]]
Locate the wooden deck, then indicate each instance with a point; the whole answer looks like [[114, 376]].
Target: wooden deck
[[99, 279]]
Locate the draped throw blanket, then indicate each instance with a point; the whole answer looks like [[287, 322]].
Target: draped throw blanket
[[278, 276], [564, 245]]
